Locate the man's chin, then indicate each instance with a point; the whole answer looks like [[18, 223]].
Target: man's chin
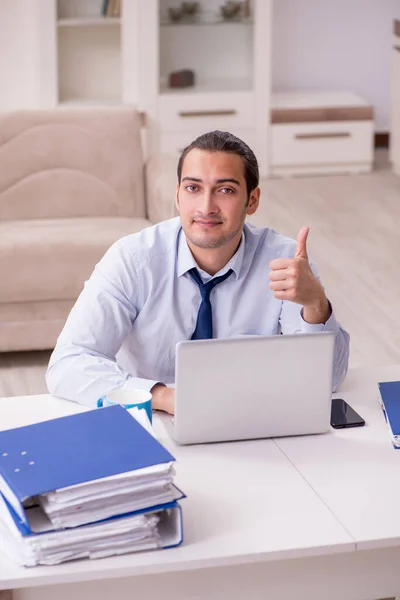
[[207, 239]]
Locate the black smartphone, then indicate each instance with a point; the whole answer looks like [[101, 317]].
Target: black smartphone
[[342, 415]]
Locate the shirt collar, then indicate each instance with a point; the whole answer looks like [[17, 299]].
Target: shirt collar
[[185, 259]]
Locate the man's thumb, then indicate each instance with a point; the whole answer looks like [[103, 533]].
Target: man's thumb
[[301, 249]]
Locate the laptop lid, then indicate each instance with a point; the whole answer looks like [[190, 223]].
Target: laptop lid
[[253, 387]]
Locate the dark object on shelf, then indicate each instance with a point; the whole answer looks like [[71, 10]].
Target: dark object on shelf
[[190, 8], [111, 8], [175, 13], [231, 10], [181, 79], [187, 10]]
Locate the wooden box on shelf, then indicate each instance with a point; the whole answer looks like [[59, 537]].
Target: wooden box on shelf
[[320, 132]]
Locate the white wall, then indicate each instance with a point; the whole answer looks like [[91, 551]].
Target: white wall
[[336, 44], [27, 57], [18, 64]]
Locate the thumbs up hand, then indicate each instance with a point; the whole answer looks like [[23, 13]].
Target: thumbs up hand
[[301, 249], [291, 279]]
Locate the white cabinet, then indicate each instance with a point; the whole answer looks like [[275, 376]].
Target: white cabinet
[[88, 58], [68, 52], [395, 102], [300, 148], [96, 55], [72, 54], [230, 62], [320, 132], [224, 110], [181, 118]]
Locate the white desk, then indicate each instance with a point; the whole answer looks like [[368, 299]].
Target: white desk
[[356, 471], [274, 537]]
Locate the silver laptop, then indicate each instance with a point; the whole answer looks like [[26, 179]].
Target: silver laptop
[[252, 387]]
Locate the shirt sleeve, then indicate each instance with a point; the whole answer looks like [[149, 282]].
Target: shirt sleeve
[[83, 366], [291, 321]]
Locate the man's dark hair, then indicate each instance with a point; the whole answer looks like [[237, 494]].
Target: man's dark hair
[[223, 141]]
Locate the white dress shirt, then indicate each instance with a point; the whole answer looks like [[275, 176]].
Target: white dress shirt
[[140, 301]]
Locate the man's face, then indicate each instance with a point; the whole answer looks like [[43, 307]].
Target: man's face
[[212, 198]]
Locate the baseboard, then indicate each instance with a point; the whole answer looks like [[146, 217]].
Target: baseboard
[[382, 139]]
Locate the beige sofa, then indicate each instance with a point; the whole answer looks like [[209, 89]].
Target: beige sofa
[[72, 181]]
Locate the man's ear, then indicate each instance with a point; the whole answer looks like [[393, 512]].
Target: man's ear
[[254, 201], [177, 197]]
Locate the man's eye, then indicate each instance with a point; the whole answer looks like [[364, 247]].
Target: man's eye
[[191, 188], [227, 190]]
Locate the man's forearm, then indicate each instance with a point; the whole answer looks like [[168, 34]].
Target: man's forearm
[[84, 377]]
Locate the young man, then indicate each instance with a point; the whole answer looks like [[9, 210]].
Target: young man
[[204, 274]]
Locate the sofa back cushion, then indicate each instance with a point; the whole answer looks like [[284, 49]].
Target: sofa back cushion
[[71, 162]]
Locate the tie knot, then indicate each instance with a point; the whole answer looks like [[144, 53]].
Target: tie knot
[[206, 288]]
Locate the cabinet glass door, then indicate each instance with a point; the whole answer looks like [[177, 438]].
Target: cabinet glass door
[[206, 46]]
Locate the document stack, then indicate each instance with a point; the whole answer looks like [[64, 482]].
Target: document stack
[[90, 485], [390, 404]]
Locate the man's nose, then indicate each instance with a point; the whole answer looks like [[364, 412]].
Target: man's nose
[[207, 205]]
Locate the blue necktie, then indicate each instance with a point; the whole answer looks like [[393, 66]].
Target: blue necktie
[[204, 326]]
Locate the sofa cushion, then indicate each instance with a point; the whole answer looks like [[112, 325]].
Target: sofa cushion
[[32, 325], [50, 259], [71, 162]]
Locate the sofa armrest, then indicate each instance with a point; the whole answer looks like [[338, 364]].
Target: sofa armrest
[[160, 178]]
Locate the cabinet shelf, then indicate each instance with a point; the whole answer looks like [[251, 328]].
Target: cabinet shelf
[[205, 22], [88, 102], [89, 22], [210, 86]]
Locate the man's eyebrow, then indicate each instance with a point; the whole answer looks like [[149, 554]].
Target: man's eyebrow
[[228, 180], [218, 181]]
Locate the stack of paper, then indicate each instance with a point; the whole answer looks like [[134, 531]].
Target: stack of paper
[[390, 403], [132, 533], [110, 496], [89, 485]]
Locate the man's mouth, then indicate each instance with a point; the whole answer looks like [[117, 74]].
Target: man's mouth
[[205, 224]]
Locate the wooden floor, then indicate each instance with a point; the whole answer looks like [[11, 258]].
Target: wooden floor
[[355, 243]]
